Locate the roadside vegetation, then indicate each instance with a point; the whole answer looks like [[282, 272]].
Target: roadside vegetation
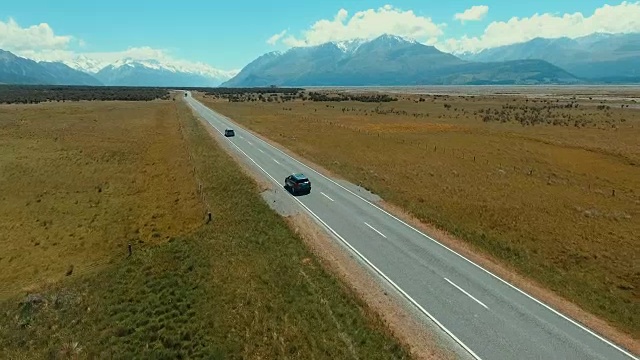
[[85, 180], [33, 94], [281, 95], [549, 186]]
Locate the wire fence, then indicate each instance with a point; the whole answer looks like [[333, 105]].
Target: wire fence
[[198, 180]]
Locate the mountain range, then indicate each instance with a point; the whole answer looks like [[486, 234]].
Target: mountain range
[[597, 57], [129, 72], [124, 72], [386, 60], [18, 70]]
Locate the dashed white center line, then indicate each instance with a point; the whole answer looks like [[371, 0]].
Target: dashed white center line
[[466, 293], [261, 151], [374, 229], [325, 195], [276, 161], [249, 142], [240, 136]]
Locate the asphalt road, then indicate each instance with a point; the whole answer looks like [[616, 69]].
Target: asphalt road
[[487, 316]]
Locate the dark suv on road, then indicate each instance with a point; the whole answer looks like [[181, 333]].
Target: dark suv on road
[[229, 133], [297, 183]]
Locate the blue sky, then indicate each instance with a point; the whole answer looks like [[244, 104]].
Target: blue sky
[[227, 35]]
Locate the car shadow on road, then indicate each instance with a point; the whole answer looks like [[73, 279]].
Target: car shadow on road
[[296, 195]]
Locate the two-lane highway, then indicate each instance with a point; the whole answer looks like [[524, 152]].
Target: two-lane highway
[[488, 317]]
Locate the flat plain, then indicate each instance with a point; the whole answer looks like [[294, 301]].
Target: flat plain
[[82, 180], [548, 184]]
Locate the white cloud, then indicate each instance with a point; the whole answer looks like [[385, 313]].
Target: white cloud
[[13, 37], [474, 13], [40, 43], [622, 18], [275, 37], [367, 24]]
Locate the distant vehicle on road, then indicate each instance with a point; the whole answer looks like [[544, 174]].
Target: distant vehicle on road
[[229, 133], [297, 183]]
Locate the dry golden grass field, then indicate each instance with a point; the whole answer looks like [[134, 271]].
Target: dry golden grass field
[[80, 181], [550, 186]]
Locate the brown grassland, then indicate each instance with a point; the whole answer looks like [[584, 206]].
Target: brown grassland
[[549, 186], [80, 181]]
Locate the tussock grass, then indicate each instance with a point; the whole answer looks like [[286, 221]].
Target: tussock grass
[[536, 193], [242, 286]]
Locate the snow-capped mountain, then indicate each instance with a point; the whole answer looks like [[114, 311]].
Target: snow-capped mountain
[[86, 70], [190, 68], [90, 70], [386, 60], [151, 72], [349, 45], [85, 64], [18, 70]]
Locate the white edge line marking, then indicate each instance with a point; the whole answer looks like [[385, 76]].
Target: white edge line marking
[[393, 284], [376, 230], [325, 195], [275, 161], [584, 328], [466, 293]]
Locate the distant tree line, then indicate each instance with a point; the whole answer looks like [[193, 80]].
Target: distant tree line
[[311, 96], [316, 96], [220, 91], [33, 94]]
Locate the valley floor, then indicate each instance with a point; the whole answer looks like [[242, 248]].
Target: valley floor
[[85, 180]]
